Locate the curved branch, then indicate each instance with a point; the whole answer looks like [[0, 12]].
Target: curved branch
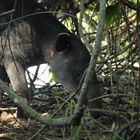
[[46, 120]]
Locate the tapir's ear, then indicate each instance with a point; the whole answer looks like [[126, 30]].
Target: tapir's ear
[[63, 43]]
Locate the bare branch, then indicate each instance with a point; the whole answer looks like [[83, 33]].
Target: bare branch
[[95, 53]]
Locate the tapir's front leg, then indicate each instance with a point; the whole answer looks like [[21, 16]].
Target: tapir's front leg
[[16, 73]]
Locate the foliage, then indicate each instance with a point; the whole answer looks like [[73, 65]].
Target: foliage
[[113, 15], [117, 69]]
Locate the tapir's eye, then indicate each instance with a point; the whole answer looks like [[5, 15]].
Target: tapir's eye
[[63, 43]]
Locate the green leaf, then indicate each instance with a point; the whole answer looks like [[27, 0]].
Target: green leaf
[[132, 102], [113, 15], [53, 75], [133, 1]]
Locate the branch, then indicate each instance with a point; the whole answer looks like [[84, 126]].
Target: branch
[[46, 120], [129, 4], [8, 12], [91, 69]]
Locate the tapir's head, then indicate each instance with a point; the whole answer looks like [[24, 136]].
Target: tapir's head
[[69, 61]]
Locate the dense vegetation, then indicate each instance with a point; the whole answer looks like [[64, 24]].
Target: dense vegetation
[[118, 72]]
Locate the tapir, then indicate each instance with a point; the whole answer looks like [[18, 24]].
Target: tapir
[[30, 37]]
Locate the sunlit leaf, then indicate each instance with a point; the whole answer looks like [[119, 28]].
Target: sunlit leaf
[[132, 102], [53, 76], [133, 1]]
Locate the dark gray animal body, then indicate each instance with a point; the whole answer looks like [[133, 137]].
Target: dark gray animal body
[[41, 39]]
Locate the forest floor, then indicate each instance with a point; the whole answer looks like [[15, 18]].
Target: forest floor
[[119, 119]]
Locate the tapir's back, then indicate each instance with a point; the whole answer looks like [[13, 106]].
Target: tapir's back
[[18, 41]]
